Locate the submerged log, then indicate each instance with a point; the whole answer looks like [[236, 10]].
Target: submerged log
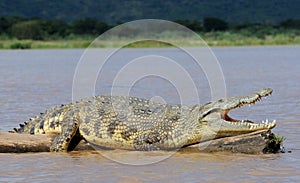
[[259, 142], [252, 143], [21, 143]]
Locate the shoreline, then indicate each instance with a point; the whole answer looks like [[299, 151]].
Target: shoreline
[[75, 46], [82, 44]]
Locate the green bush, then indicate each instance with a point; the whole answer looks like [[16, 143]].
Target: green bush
[[28, 30], [89, 26], [214, 24], [291, 23], [20, 45]]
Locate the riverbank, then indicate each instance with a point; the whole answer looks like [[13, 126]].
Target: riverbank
[[211, 38]]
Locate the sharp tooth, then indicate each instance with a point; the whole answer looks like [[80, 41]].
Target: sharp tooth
[[267, 121], [262, 121], [251, 127]]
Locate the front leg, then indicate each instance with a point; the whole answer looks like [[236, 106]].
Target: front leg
[[69, 137]]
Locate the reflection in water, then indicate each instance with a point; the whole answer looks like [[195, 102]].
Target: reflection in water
[[181, 167], [32, 81]]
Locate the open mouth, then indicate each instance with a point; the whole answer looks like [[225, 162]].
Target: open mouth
[[250, 100], [229, 119]]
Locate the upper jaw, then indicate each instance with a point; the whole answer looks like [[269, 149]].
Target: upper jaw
[[235, 102]]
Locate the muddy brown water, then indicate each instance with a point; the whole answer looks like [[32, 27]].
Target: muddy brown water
[[34, 80]]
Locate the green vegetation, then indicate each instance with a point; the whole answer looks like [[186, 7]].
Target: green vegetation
[[274, 144], [23, 33], [20, 45]]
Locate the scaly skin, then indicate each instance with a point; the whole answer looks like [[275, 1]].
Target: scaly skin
[[139, 124]]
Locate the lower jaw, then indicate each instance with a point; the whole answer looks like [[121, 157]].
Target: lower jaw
[[233, 133]]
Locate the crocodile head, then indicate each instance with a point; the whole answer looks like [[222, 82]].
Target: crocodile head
[[215, 116]]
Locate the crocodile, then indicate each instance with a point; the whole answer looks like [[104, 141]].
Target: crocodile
[[130, 123]]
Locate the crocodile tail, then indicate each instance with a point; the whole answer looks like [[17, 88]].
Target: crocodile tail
[[18, 130], [27, 126]]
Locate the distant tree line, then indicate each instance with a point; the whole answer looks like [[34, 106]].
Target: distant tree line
[[38, 29]]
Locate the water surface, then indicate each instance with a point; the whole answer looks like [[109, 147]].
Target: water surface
[[34, 80]]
